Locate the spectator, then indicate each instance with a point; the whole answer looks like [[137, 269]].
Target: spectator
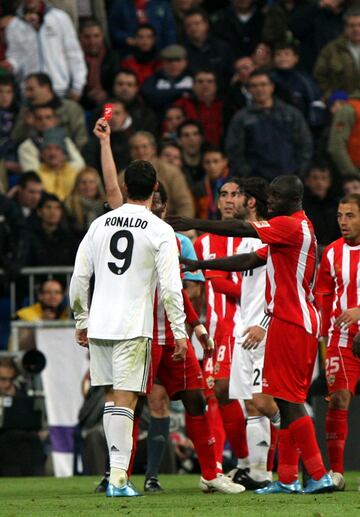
[[56, 173], [126, 89], [338, 64], [44, 118], [27, 193], [203, 49], [39, 91], [262, 55], [125, 16], [238, 95], [191, 141], [268, 138], [78, 10], [143, 147], [122, 127], [174, 116], [13, 237], [143, 58], [205, 106], [351, 184], [314, 24], [42, 38], [216, 170], [8, 112], [344, 139], [319, 205], [101, 63], [86, 201], [171, 153], [169, 83], [240, 25], [297, 87], [51, 242], [179, 8]]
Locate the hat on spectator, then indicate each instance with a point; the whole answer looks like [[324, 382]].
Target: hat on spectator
[[337, 95], [54, 136], [173, 52]]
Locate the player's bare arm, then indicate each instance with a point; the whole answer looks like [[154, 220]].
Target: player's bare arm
[[180, 349], [254, 336], [228, 228], [81, 337], [113, 193], [205, 340], [356, 345], [348, 318], [240, 262]]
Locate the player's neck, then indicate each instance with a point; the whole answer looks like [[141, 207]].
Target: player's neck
[[146, 202], [353, 242]]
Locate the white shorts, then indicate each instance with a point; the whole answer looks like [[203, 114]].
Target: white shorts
[[246, 371], [123, 364]]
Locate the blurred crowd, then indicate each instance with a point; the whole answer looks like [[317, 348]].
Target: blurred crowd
[[204, 89]]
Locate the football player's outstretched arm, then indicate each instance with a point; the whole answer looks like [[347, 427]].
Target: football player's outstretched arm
[[113, 193], [241, 262], [228, 228]]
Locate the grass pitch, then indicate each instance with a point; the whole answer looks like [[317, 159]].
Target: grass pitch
[[50, 497]]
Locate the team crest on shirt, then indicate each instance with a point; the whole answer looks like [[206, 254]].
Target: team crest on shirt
[[217, 368], [210, 381], [330, 379]]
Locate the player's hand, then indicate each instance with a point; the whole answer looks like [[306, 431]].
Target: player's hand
[[180, 223], [254, 336], [81, 337], [189, 264], [348, 318], [356, 345], [205, 340], [180, 350], [102, 129]]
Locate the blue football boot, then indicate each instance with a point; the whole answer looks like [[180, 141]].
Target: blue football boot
[[280, 488], [127, 490], [324, 484]]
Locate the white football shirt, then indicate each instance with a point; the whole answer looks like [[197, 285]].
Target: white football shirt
[[128, 249]]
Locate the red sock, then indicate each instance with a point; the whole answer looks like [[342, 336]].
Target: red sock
[[135, 436], [272, 448], [302, 432], [198, 430], [336, 434], [288, 467], [217, 429], [235, 428]]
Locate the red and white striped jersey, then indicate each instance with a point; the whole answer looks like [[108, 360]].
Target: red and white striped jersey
[[290, 269], [339, 277], [222, 311]]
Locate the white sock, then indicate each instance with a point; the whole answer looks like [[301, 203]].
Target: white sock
[[108, 409], [258, 438], [243, 463], [121, 442], [275, 420]]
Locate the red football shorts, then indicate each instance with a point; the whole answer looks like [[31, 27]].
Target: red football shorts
[[222, 361], [173, 375], [342, 369], [290, 354], [209, 379]]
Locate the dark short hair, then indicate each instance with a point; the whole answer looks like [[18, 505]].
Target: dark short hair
[[189, 122], [351, 198], [146, 26], [320, 166], [197, 11], [8, 362], [37, 107], [261, 71], [46, 197], [126, 71], [211, 148], [168, 143], [140, 179], [257, 188], [42, 79], [163, 193], [41, 288], [206, 70], [89, 21], [8, 80], [28, 176], [352, 11], [351, 177]]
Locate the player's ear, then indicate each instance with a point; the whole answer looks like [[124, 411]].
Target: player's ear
[[156, 187]]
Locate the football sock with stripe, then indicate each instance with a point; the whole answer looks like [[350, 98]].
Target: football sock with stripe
[[336, 434], [121, 442], [108, 408], [157, 440], [258, 440]]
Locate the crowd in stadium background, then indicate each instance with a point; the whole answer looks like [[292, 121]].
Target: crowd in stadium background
[[205, 90]]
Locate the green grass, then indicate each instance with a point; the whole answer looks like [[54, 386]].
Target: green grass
[[50, 497]]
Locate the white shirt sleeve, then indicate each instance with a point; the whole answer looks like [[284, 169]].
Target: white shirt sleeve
[[167, 265], [80, 283]]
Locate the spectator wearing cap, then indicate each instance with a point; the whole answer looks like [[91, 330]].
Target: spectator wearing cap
[[344, 138], [143, 59], [169, 83], [268, 138], [43, 119], [204, 105], [39, 91], [42, 38], [56, 173], [203, 49], [124, 17], [101, 62], [338, 64], [240, 25]]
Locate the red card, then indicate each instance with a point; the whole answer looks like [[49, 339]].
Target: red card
[[108, 111]]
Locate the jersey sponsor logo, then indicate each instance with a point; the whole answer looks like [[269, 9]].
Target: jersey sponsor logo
[[126, 222], [261, 224]]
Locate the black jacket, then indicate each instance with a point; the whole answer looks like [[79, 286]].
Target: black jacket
[[14, 239]]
